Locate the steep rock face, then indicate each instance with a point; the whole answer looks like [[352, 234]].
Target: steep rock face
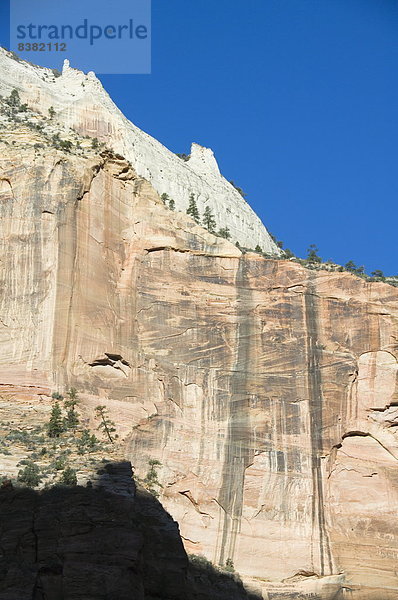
[[267, 391], [81, 103]]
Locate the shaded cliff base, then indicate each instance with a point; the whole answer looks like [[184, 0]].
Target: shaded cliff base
[[114, 541], [108, 541]]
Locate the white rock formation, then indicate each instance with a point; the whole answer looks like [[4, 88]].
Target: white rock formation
[[81, 103]]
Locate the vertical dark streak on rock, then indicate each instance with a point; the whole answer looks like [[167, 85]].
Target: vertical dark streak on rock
[[67, 224], [238, 453], [316, 421]]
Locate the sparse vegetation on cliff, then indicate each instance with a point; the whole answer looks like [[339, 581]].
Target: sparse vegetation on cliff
[[13, 111], [314, 261], [43, 453]]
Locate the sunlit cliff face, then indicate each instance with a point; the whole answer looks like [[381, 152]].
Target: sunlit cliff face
[[267, 391]]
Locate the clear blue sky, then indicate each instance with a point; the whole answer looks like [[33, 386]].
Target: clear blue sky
[[299, 101]]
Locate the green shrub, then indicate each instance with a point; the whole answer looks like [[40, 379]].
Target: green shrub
[[183, 156], [18, 436], [59, 463], [68, 477], [66, 145], [229, 565], [30, 475]]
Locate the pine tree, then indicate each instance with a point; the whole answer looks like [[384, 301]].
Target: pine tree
[[258, 249], [192, 209], [312, 254], [350, 266], [73, 398], [353, 268], [72, 418], [224, 233], [208, 220], [106, 425], [87, 442], [165, 198], [51, 112], [151, 479], [55, 425], [95, 143], [172, 204]]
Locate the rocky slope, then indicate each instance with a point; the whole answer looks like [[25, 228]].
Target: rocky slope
[[266, 390]]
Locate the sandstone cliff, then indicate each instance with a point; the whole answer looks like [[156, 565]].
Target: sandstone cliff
[[267, 391]]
